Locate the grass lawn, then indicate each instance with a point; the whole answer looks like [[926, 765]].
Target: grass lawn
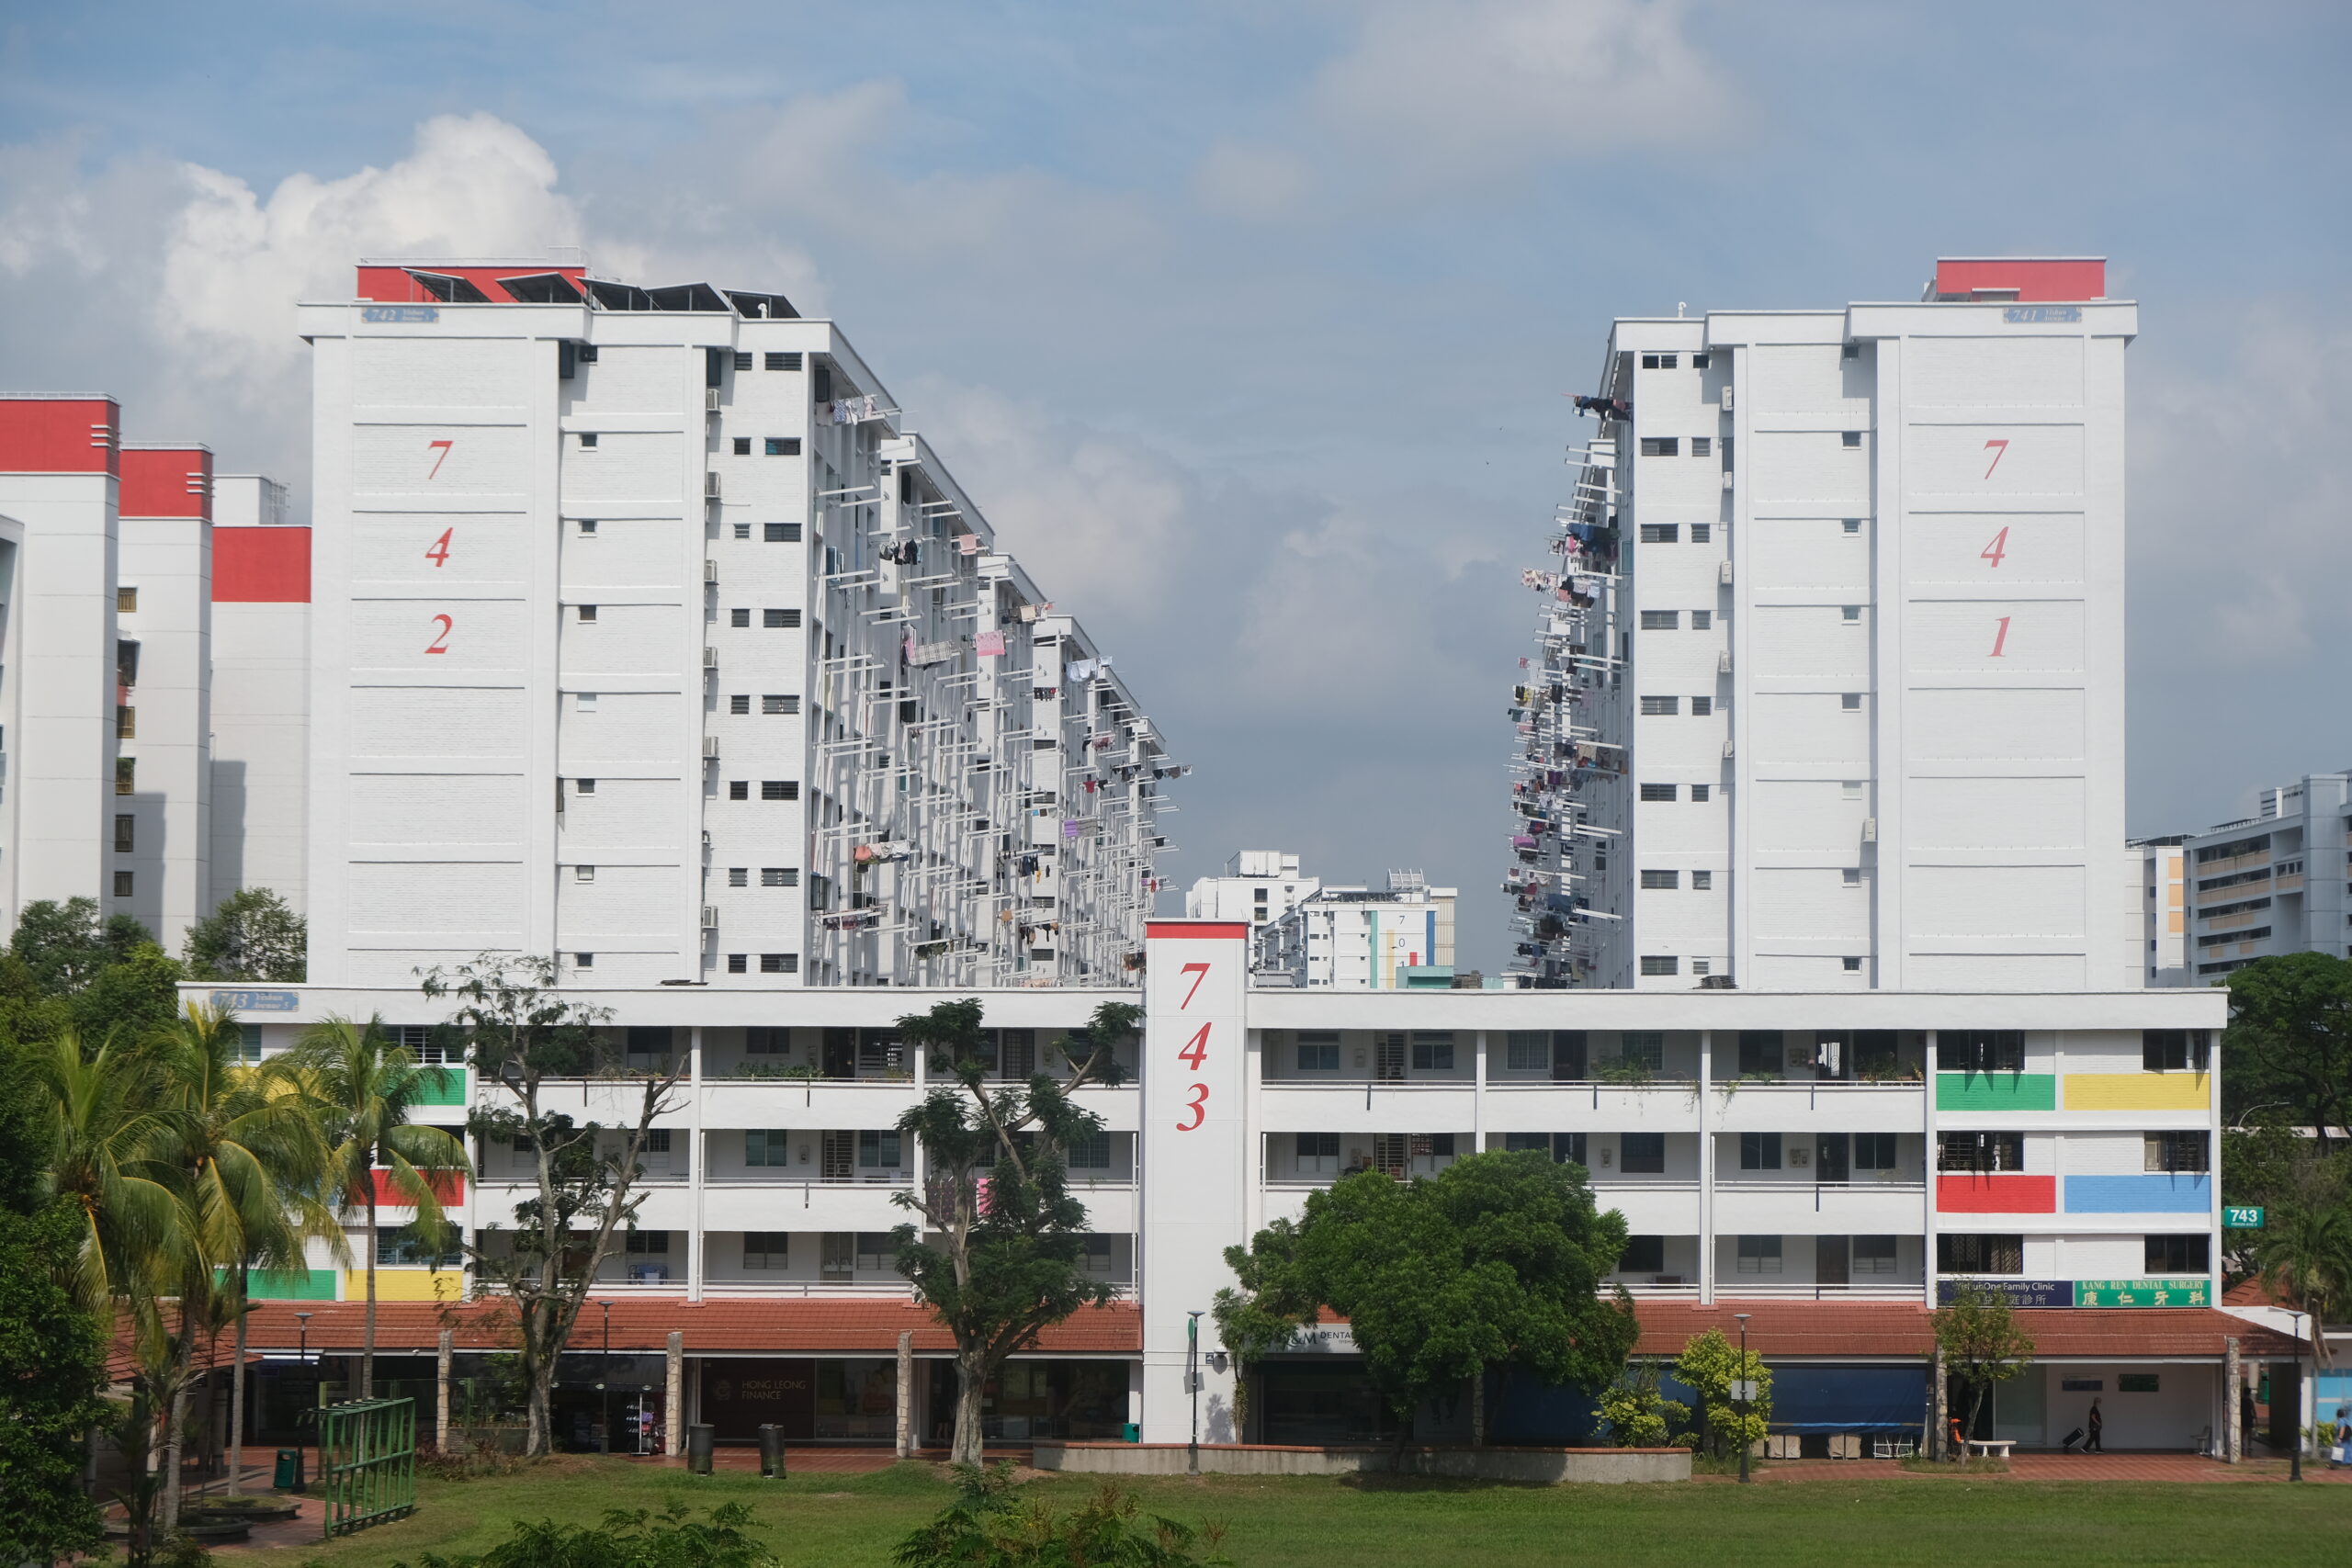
[[847, 1521]]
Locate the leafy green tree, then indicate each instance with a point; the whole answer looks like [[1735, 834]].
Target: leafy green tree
[[1708, 1366], [995, 1525], [365, 1088], [522, 1036], [1981, 1344], [67, 968], [252, 936], [1264, 1314], [628, 1538], [2266, 1163], [2290, 1040], [2303, 1256], [64, 946], [1496, 1261], [1638, 1413], [51, 1360], [1000, 1255]]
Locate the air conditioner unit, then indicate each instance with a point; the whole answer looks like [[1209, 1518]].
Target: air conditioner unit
[[710, 484], [710, 400], [1727, 748], [710, 658], [710, 917], [1722, 663], [1869, 830], [710, 747], [1726, 479], [710, 571], [1723, 571], [1727, 400]]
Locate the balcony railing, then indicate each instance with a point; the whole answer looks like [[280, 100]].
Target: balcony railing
[[1733, 1287]]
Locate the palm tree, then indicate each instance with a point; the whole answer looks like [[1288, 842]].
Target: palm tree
[[107, 1121], [365, 1087], [2305, 1255], [249, 1159]]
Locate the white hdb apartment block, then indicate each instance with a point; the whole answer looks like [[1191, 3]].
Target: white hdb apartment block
[[658, 641], [1830, 685], [2278, 882], [1361, 939]]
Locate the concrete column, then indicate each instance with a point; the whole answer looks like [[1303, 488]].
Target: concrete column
[[697, 1253], [673, 1422], [1928, 1065], [1706, 1168], [441, 1393], [2233, 1375], [906, 1393]]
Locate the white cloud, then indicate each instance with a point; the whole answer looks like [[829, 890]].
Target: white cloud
[[1249, 182], [1485, 87]]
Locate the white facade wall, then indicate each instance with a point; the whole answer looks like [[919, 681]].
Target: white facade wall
[[260, 702], [1258, 885], [164, 605]]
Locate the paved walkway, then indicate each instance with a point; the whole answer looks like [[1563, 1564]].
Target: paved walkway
[[2172, 1467]]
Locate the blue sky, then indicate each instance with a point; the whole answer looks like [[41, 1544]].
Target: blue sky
[[1248, 324]]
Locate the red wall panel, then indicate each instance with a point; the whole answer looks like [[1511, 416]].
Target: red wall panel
[[167, 482], [1974, 1194], [2073, 278], [449, 1187], [261, 566], [64, 436]]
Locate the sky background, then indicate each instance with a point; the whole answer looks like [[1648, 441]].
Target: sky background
[[1249, 324]]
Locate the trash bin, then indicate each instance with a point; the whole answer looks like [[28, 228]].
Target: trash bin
[[771, 1451], [289, 1477], [1131, 1433], [698, 1440]]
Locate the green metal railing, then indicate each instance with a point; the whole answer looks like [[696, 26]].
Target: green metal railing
[[367, 1462]]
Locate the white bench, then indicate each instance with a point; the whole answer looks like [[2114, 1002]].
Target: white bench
[[1994, 1447]]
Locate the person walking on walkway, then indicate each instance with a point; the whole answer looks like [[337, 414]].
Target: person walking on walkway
[[2096, 1424]]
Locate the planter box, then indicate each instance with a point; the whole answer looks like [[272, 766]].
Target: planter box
[[1543, 1465]]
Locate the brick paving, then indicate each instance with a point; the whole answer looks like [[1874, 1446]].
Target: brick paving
[[2169, 1467]]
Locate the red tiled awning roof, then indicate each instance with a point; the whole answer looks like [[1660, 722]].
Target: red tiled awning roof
[[852, 1326], [1852, 1329]]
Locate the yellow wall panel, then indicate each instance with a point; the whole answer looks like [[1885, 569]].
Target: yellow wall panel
[[2138, 1091], [407, 1285]]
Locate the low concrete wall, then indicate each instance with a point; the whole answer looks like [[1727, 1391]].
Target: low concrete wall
[[1537, 1465]]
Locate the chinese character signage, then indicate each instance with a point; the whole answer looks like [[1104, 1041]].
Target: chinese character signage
[[2143, 1292]]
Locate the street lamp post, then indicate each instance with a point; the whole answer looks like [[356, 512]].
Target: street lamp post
[[605, 1385], [302, 1354], [2295, 1427], [1193, 1380], [1744, 1386]]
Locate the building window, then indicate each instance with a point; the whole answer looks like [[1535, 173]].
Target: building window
[[1661, 532], [126, 600], [1701, 707], [739, 703], [584, 961], [770, 1040], [649, 1244], [1759, 1151], [1702, 881], [1851, 438], [742, 359], [587, 613], [1660, 964], [779, 964], [1090, 1153], [1759, 1255], [2179, 1254], [126, 829], [1662, 879], [1660, 707], [583, 873], [1850, 613], [766, 1147], [775, 620], [1319, 1154], [1661, 620], [1702, 446], [1852, 525], [122, 885], [1980, 1153], [739, 617], [1643, 1255], [1851, 876], [1660, 361], [779, 789], [1759, 1052], [1851, 963], [587, 441], [1871, 1255], [2178, 1152], [587, 527], [2173, 1050], [1527, 1050], [1981, 1050], [1642, 1153], [1703, 620], [775, 704], [739, 963], [779, 876], [739, 789], [584, 701], [776, 361], [1851, 702], [1700, 792], [742, 447], [780, 533], [1980, 1254], [1432, 1051], [1849, 789], [125, 774], [767, 1249], [1873, 1151], [878, 1150], [1318, 1052], [783, 445], [1661, 445], [1702, 532], [249, 1042], [1658, 792]]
